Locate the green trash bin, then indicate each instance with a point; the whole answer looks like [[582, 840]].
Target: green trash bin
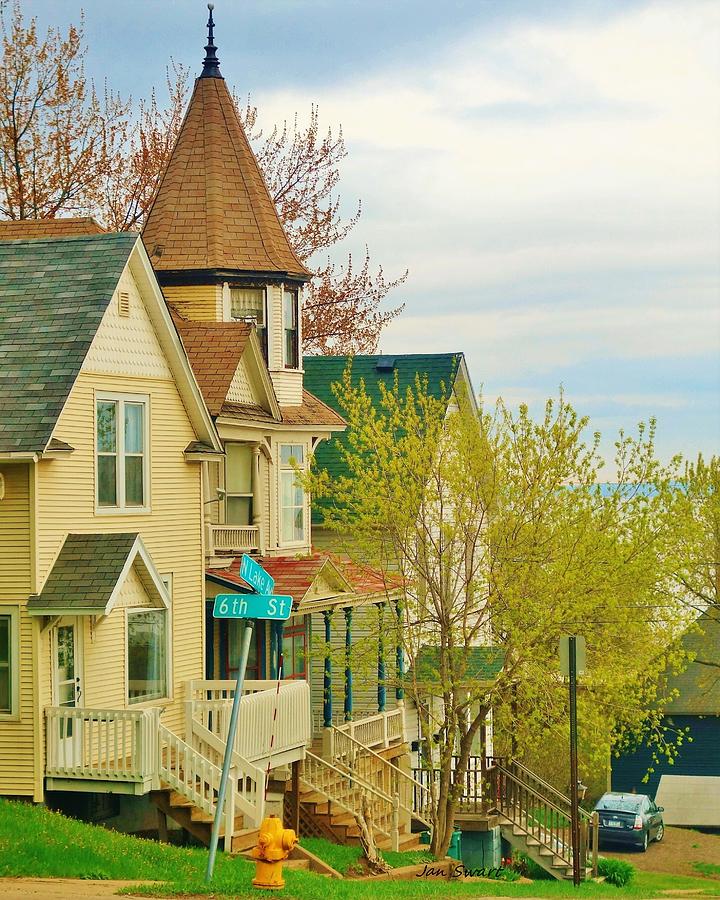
[[424, 837], [454, 849]]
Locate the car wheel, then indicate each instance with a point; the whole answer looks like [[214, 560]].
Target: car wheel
[[660, 832], [643, 847]]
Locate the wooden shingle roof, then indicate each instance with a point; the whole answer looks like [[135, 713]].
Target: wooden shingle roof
[[213, 211], [53, 295], [214, 350]]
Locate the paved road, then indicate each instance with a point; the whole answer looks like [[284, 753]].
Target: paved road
[[59, 888]]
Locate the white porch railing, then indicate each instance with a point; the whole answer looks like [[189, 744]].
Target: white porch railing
[[359, 760], [102, 744], [235, 538], [224, 688], [258, 726], [382, 730]]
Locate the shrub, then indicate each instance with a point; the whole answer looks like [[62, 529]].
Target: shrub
[[615, 871]]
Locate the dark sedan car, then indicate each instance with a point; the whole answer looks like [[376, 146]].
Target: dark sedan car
[[632, 819]]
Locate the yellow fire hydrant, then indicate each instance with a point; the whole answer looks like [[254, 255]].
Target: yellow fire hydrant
[[274, 845]]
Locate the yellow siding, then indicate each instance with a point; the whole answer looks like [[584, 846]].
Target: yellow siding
[[172, 531], [16, 735], [104, 662], [201, 303], [127, 345], [275, 326], [241, 387]]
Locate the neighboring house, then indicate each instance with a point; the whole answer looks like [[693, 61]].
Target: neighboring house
[[103, 432], [689, 789]]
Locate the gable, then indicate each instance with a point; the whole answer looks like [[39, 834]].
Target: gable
[[54, 294], [133, 593], [127, 344], [241, 388]]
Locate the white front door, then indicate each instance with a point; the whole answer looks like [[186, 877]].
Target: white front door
[[67, 686]]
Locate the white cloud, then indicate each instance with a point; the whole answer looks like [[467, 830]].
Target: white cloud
[[580, 155]]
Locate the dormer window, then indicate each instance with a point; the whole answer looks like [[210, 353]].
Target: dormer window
[[291, 349], [249, 304]]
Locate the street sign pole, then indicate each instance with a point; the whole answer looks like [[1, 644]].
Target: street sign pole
[[229, 749], [575, 820]]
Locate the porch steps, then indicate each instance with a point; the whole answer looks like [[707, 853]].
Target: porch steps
[[519, 838], [198, 823]]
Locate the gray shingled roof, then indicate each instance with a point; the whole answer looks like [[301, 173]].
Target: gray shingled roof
[[53, 294], [699, 685], [85, 573]]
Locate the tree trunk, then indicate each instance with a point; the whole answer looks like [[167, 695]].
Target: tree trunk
[[376, 863]]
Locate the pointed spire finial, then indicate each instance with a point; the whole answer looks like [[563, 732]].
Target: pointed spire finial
[[211, 64]]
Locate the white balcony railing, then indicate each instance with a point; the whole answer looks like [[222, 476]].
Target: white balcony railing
[[102, 744], [234, 538]]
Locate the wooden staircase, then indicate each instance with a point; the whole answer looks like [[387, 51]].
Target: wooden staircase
[[189, 779], [535, 818], [331, 795]]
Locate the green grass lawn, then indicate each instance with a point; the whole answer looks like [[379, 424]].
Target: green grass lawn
[[36, 842]]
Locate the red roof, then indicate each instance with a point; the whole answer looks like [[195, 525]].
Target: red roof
[[295, 576]]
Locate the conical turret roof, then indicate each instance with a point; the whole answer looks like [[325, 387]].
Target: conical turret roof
[[213, 211]]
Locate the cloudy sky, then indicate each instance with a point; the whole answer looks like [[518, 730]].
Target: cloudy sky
[[548, 171]]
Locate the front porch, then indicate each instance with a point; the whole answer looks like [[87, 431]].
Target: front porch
[[131, 752]]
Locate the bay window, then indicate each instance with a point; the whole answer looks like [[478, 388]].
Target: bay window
[[147, 654], [292, 496], [121, 429], [248, 303]]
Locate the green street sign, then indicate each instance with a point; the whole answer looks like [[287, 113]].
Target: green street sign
[[252, 606], [255, 575]]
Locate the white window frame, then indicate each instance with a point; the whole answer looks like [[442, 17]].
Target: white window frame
[[231, 495], [121, 508], [13, 614], [151, 701], [282, 468], [291, 288]]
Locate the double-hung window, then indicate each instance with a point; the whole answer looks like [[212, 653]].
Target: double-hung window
[[238, 484], [121, 423], [292, 496], [248, 304], [9, 662], [291, 348], [294, 651]]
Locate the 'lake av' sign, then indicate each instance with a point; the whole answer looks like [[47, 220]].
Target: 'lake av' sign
[[252, 606], [255, 575]]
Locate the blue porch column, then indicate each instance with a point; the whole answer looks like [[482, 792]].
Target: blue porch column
[[381, 660], [348, 667], [399, 656], [327, 675]]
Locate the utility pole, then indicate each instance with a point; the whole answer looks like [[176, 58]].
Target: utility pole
[[575, 820]]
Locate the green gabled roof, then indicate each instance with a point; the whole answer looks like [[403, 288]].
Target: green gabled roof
[[472, 664], [53, 294], [85, 573], [321, 372], [698, 686]]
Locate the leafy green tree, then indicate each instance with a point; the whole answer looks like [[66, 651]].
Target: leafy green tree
[[496, 530]]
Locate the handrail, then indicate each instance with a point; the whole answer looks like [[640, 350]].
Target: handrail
[[355, 785], [413, 784], [244, 770], [514, 763], [521, 797]]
